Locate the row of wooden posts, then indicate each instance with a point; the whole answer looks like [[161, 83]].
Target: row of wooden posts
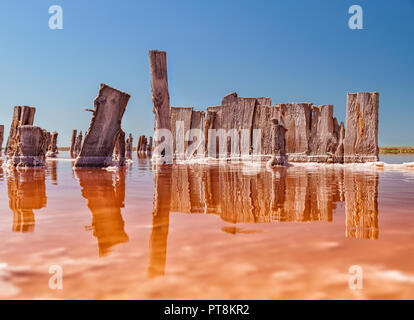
[[298, 132]]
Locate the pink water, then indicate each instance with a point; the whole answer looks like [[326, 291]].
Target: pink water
[[206, 232]]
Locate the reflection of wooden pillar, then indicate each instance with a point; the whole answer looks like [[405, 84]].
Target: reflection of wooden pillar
[[27, 191], [278, 195], [361, 205], [105, 192], [297, 204], [52, 166], [22, 116], [160, 221]]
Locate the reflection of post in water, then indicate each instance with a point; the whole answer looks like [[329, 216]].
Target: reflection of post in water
[[361, 205], [52, 170], [105, 192], [27, 192], [282, 195], [160, 221], [293, 194]]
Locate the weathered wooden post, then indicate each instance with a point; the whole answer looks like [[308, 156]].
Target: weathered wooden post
[[361, 136], [22, 115], [1, 138], [73, 142], [78, 144], [30, 150], [161, 110], [279, 144], [149, 146], [128, 147], [104, 128], [323, 141], [53, 150]]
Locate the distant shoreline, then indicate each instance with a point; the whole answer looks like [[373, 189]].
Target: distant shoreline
[[396, 150], [382, 150]]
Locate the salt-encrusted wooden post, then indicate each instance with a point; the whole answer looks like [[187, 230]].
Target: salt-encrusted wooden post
[[73, 142], [22, 115], [161, 100], [149, 146], [361, 136], [78, 144], [278, 144], [104, 128], [53, 150], [1, 138], [30, 151], [121, 148]]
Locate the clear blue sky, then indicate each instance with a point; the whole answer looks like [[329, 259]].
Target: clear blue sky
[[292, 51]]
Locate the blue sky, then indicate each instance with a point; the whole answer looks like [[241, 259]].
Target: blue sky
[[292, 51]]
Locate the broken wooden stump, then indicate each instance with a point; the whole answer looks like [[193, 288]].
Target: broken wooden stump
[[278, 145], [104, 128], [296, 118], [30, 150], [339, 152], [323, 140], [72, 143], [361, 136], [121, 148], [161, 110], [1, 138], [128, 146], [53, 149], [78, 144], [187, 133], [22, 115]]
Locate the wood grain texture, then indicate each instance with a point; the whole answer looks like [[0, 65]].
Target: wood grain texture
[[104, 128], [72, 143], [1, 138], [160, 93], [361, 136], [22, 115]]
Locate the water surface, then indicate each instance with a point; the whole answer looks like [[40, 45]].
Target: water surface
[[206, 232]]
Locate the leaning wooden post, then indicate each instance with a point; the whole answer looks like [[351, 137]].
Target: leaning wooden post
[[72, 143], [161, 110], [121, 148], [104, 128]]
